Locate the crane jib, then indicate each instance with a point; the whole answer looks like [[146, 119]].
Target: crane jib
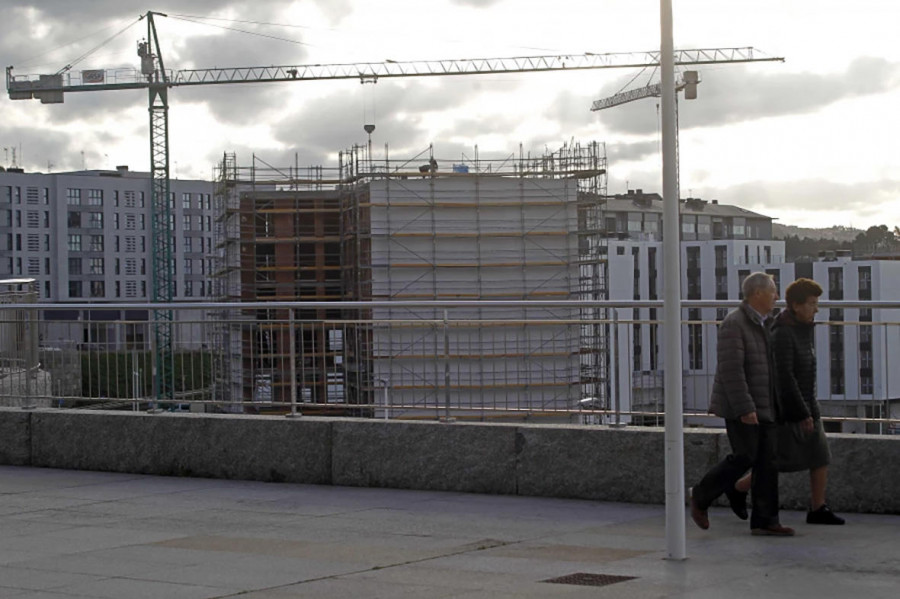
[[48, 88]]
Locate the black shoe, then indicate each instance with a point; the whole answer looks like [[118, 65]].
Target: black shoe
[[823, 515], [773, 530], [738, 501]]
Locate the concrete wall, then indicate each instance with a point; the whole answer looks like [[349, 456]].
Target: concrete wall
[[539, 460]]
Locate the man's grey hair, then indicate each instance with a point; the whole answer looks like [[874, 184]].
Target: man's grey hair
[[757, 281]]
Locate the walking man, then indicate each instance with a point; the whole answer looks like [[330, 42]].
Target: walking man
[[744, 394]]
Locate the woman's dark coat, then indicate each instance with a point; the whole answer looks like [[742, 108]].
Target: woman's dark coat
[[795, 356]]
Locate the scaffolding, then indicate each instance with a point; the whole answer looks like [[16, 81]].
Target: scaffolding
[[517, 228]]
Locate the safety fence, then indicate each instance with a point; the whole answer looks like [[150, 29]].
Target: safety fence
[[473, 360]]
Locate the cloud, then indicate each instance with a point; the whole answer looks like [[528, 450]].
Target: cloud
[[404, 116], [36, 149], [618, 153], [476, 3], [869, 199]]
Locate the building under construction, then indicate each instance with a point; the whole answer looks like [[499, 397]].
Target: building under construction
[[422, 229]]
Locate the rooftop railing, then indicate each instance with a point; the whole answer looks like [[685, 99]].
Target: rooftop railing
[[540, 361]]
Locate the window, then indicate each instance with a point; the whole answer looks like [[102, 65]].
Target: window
[[74, 220], [187, 222], [721, 256], [188, 288], [742, 274], [865, 282], [98, 289], [129, 222], [74, 266], [836, 351], [45, 198], [96, 266], [95, 220], [188, 266], [129, 199], [130, 244], [95, 197], [130, 266], [188, 242], [96, 243], [695, 340], [74, 243], [115, 220], [117, 267], [186, 201], [74, 288], [73, 197], [836, 283], [33, 242], [33, 219], [116, 198]]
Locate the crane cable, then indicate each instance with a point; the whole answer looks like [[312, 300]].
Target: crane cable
[[97, 47], [274, 37]]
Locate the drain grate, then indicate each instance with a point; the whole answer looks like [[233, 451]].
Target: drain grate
[[589, 580]]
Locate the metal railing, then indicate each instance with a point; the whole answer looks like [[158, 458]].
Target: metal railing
[[553, 361]]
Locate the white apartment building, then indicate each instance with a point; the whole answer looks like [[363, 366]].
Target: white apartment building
[[720, 246]]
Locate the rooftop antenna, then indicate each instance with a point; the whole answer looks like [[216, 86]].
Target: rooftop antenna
[[13, 164], [83, 167]]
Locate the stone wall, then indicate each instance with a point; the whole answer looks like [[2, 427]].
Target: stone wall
[[586, 462]]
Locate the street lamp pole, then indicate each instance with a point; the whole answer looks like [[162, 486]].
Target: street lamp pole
[[674, 432]]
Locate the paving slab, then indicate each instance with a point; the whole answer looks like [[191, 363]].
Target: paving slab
[[70, 535]]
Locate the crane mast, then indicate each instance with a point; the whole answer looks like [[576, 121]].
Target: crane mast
[[153, 76], [163, 267]]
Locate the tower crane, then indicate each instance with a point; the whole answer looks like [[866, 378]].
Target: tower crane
[[157, 80], [687, 82]]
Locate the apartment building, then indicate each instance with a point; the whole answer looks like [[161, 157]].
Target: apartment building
[[720, 246], [85, 237]]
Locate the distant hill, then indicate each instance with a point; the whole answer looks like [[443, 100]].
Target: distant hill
[[836, 233]]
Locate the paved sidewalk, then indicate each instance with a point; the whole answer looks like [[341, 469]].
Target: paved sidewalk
[[67, 534]]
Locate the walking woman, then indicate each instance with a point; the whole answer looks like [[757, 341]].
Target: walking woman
[[801, 442]]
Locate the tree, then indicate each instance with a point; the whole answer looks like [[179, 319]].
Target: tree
[[877, 239]]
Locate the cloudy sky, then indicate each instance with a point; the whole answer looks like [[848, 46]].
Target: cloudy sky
[[811, 141]]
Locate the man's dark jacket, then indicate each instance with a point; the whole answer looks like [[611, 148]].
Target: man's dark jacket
[[795, 357], [745, 373]]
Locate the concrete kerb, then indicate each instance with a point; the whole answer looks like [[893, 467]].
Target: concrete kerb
[[566, 461]]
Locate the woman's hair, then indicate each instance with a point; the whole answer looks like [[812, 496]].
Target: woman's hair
[[756, 282], [801, 290]]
